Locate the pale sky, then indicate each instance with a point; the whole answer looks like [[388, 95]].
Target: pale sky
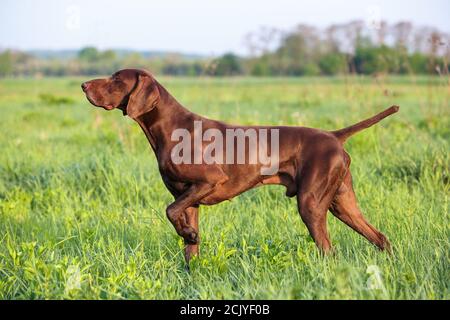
[[189, 26]]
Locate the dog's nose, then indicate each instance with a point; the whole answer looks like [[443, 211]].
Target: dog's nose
[[85, 86]]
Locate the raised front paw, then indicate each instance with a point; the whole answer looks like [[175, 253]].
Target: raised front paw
[[190, 236]]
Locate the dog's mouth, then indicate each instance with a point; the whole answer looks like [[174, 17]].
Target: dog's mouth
[[93, 102]]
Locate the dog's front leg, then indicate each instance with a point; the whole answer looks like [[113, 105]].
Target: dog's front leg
[[191, 250], [183, 213]]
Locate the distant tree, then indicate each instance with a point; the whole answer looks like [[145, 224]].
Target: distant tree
[[292, 54], [227, 65], [182, 69], [382, 30], [89, 54], [371, 59], [135, 60], [108, 55], [418, 62], [332, 63], [6, 63], [261, 66], [402, 33], [196, 69], [298, 52], [353, 34], [106, 62]]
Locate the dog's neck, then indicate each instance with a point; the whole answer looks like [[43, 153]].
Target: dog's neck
[[159, 123]]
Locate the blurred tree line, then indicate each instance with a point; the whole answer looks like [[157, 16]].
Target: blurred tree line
[[338, 49]]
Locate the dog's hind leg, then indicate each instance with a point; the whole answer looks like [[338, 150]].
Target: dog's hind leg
[[345, 208], [318, 183], [191, 215], [315, 220]]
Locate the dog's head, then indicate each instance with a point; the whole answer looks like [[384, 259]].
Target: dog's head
[[133, 91]]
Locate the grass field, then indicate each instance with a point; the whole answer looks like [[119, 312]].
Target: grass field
[[82, 205]]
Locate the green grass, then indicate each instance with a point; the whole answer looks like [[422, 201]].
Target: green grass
[[82, 205]]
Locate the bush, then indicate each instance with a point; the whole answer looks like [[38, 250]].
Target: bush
[[333, 63], [227, 65]]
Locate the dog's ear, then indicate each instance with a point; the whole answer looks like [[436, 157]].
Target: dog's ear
[[144, 98]]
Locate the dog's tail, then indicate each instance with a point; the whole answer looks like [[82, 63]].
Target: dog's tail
[[344, 134]]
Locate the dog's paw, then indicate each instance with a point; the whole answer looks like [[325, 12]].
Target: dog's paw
[[191, 236]]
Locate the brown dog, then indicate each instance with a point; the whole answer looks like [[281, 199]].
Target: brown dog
[[312, 164]]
